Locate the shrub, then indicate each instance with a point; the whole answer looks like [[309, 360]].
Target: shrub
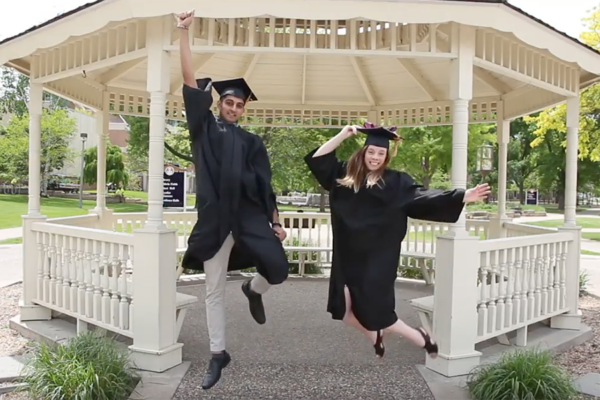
[[583, 281], [88, 367], [522, 375]]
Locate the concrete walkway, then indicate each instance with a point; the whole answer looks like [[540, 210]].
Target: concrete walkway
[[11, 233], [301, 353], [10, 265]]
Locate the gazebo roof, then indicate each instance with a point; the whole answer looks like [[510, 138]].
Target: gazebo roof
[[390, 57]]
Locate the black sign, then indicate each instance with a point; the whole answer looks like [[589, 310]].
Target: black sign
[[173, 188], [532, 198]]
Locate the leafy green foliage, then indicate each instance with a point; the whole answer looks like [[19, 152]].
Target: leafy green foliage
[[115, 166], [522, 375], [58, 129], [88, 367]]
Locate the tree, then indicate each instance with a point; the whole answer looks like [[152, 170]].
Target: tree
[[427, 151], [522, 157], [177, 144], [551, 130], [58, 129], [14, 92], [115, 166]]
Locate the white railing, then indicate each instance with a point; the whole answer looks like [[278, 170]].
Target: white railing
[[86, 273], [310, 236], [521, 281], [82, 221], [516, 230]]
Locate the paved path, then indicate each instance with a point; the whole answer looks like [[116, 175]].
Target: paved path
[[301, 353], [10, 265], [11, 233]]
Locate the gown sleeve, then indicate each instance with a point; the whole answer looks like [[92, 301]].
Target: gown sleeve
[[263, 169], [325, 168], [197, 108], [431, 204]]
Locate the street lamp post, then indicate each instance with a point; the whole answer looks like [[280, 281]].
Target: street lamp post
[[83, 139], [485, 160]]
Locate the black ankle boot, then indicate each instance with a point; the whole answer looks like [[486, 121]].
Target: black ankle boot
[[257, 308], [215, 366]]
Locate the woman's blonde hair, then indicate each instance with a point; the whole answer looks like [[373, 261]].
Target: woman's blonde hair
[[357, 172]]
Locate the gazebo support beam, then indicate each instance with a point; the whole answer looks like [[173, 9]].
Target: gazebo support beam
[[413, 70], [115, 73], [455, 324], [572, 319], [497, 229], [155, 346], [364, 83], [31, 278], [102, 124]]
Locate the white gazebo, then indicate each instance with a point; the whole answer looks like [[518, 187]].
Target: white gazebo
[[311, 63]]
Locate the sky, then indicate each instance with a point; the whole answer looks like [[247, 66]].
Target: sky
[[565, 15]]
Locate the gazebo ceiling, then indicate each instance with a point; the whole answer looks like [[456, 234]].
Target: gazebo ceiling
[[396, 56]]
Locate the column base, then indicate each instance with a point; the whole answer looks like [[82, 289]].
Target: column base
[[451, 366], [157, 360], [105, 218], [34, 312], [570, 321], [496, 227]]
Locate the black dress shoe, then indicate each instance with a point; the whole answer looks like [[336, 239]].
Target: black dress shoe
[[257, 308], [215, 366]]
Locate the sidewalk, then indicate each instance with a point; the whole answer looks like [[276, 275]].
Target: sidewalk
[[11, 233]]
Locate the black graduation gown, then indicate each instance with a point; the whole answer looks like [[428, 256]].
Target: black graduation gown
[[234, 193], [368, 228]]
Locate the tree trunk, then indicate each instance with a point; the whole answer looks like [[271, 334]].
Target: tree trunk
[[561, 200], [322, 193], [521, 193]]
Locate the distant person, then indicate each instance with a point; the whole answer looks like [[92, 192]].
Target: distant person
[[238, 223], [370, 205]]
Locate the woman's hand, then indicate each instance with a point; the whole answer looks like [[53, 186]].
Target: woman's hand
[[477, 193], [349, 130], [185, 19]]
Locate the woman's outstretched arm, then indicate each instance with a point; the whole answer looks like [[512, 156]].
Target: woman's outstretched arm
[[335, 141]]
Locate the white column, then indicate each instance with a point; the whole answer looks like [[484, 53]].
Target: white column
[[461, 92], [102, 122], [503, 133], [158, 87], [572, 319], [155, 346], [36, 92], [457, 253], [571, 167], [30, 311]]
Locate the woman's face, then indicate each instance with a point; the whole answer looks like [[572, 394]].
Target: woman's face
[[375, 157]]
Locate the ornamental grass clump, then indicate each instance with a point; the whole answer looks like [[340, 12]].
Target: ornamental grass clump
[[88, 367], [522, 375]]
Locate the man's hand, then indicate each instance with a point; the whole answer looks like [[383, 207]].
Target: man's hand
[[184, 19], [279, 232], [477, 193]]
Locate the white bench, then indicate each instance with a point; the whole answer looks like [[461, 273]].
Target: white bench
[[420, 257], [302, 250], [424, 308], [183, 302]]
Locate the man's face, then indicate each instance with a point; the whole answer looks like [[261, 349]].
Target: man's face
[[231, 108]]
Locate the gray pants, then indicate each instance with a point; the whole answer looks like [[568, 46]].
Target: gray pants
[[216, 282]]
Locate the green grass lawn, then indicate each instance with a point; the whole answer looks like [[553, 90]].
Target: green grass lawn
[[553, 209], [591, 236], [12, 207], [590, 253], [582, 222], [12, 241]]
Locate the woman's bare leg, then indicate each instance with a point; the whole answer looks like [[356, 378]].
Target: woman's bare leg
[[400, 328], [351, 320]]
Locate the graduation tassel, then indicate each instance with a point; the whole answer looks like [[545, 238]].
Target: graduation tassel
[[397, 142]]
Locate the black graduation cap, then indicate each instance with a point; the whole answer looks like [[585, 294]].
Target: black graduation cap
[[236, 87], [378, 135]]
